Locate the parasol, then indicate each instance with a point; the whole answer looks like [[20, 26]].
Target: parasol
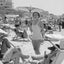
[[55, 36], [9, 25], [29, 10]]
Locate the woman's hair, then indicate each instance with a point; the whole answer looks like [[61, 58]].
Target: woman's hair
[[26, 22], [37, 14]]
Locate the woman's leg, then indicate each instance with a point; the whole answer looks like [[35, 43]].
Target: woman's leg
[[36, 45], [16, 61], [11, 54]]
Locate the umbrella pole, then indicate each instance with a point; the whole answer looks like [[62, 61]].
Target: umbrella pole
[[12, 45], [54, 45]]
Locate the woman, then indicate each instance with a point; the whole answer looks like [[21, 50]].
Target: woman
[[36, 28], [14, 54], [5, 45], [50, 57]]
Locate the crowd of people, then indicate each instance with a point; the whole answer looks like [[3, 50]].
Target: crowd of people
[[32, 29]]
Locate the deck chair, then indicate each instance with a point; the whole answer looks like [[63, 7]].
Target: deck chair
[[59, 59], [62, 44]]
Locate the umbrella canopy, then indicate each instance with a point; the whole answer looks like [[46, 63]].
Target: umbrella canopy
[[12, 15], [30, 9], [55, 36], [10, 11], [9, 26], [22, 9]]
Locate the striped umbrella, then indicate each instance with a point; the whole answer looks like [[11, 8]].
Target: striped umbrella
[[30, 10]]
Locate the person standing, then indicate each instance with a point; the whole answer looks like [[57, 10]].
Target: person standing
[[51, 57], [59, 24], [5, 45], [14, 54], [36, 28]]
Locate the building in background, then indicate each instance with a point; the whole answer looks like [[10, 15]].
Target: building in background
[[6, 3]]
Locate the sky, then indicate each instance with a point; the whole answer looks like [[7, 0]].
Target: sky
[[52, 6]]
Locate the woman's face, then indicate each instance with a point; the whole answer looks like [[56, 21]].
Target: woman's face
[[36, 15], [35, 18]]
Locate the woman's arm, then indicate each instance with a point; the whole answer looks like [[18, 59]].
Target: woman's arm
[[7, 42]]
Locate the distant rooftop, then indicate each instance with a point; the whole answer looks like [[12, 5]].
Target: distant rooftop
[[6, 3]]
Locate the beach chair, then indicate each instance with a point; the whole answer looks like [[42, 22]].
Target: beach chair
[[59, 59]]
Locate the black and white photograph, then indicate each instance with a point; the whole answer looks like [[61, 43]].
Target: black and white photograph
[[31, 31]]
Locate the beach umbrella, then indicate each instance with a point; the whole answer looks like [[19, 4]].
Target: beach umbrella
[[55, 36], [33, 9], [29, 10], [26, 9], [9, 26]]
